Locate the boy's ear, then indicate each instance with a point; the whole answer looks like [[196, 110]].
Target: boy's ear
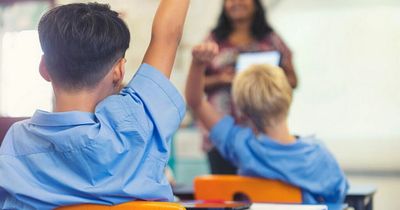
[[43, 69], [119, 72]]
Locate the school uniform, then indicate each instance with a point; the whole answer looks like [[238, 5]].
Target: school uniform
[[306, 163], [114, 155]]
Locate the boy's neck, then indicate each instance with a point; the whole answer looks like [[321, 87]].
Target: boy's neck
[[83, 100], [280, 133]]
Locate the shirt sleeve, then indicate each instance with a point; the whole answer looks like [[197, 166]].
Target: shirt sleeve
[[229, 138], [3, 195], [334, 179], [163, 103]]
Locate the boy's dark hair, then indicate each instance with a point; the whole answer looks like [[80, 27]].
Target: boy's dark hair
[[81, 43]]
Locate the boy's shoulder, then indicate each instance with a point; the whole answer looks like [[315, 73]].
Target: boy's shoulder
[[309, 139], [312, 141], [317, 149], [9, 142], [304, 146]]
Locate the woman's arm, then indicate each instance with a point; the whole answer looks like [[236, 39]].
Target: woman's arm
[[166, 34], [224, 78], [287, 66], [287, 61]]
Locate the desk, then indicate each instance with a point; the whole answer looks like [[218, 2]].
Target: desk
[[361, 197], [358, 197], [183, 191], [259, 206]]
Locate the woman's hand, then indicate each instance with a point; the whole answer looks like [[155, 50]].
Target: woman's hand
[[225, 77]]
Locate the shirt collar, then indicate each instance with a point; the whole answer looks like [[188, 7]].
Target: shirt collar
[[43, 118], [266, 140]]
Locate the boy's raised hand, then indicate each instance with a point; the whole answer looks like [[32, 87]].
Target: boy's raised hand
[[204, 53], [166, 34]]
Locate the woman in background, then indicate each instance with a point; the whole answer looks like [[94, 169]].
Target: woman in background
[[242, 27]]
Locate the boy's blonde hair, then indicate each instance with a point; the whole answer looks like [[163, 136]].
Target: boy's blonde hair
[[263, 93]]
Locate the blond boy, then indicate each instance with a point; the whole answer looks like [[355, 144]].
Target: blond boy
[[263, 146]]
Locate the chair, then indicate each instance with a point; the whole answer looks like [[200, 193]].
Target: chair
[[134, 205], [240, 188], [5, 124]]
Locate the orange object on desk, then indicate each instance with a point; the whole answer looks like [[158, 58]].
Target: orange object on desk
[[232, 187], [134, 205]]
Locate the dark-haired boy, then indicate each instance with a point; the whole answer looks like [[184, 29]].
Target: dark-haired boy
[[96, 147]]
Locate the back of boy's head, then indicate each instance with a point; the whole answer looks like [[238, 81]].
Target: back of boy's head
[[263, 94], [81, 43]]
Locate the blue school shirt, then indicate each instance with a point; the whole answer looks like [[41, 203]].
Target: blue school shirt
[[114, 155], [305, 163]]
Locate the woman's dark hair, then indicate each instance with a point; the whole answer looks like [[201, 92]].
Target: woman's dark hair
[[81, 43], [259, 28]]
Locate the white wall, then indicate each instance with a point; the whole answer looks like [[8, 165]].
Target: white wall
[[347, 56]]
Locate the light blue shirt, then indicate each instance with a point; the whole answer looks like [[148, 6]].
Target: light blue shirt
[[305, 163], [114, 155]]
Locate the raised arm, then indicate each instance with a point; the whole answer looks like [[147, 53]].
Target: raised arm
[[202, 55], [166, 34]]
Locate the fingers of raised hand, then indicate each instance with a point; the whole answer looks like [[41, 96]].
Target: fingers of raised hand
[[205, 52]]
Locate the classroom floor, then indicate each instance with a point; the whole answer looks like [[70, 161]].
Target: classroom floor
[[387, 196]]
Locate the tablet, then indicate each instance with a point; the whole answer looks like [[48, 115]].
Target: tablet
[[215, 205], [247, 59]]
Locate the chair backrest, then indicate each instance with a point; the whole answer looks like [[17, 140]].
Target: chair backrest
[[134, 205], [5, 124], [232, 187]]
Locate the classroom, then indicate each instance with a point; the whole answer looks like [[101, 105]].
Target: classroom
[[199, 104]]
